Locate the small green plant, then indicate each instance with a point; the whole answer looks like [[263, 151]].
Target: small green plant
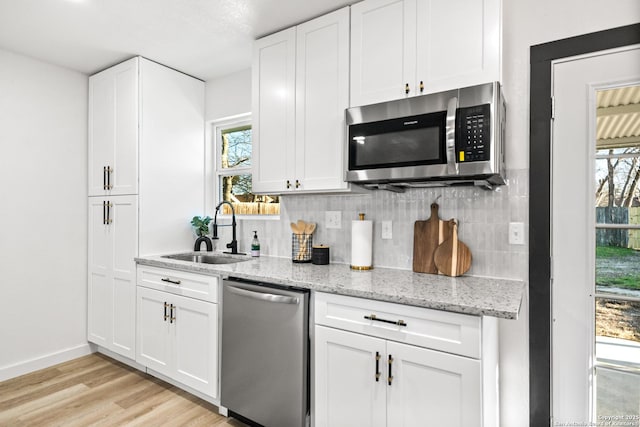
[[201, 225]]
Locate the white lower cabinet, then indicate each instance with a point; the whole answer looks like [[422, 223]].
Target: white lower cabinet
[[376, 379], [113, 243], [347, 392], [177, 336]]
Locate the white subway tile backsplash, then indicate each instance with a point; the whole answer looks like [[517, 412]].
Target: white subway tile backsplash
[[483, 218]]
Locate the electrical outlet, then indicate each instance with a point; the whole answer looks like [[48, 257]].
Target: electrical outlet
[[333, 219], [516, 233], [387, 230]]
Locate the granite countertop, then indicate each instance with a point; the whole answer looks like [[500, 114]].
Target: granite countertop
[[465, 294]]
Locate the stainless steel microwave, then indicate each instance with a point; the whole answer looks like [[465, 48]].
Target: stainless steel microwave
[[446, 138]]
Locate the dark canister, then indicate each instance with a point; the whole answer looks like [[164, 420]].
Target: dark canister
[[320, 254]]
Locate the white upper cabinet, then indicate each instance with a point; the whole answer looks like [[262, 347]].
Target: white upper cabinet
[[113, 130], [458, 43], [405, 48], [322, 95], [383, 49], [300, 92], [274, 81]]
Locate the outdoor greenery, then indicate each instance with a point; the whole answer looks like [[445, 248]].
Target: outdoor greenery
[[235, 177], [618, 267]]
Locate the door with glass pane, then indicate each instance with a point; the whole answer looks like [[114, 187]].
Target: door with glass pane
[[617, 281], [595, 285]]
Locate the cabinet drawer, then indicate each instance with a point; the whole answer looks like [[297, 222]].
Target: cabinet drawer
[[439, 330], [191, 285]]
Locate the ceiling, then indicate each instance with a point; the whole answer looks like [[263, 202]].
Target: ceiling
[[618, 118], [203, 38]]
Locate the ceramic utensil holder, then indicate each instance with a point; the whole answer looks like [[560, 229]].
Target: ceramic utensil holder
[[301, 245]]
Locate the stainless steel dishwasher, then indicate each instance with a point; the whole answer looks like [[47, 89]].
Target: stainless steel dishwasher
[[265, 353]]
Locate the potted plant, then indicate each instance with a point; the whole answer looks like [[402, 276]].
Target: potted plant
[[201, 227]]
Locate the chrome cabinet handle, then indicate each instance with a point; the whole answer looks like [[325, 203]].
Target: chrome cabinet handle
[[452, 166], [282, 299], [377, 366], [175, 282], [104, 212], [104, 177], [390, 376], [393, 322]]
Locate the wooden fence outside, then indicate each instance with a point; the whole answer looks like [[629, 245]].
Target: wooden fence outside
[[252, 208], [619, 238], [634, 235]]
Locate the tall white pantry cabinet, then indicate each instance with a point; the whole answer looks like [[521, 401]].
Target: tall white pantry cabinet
[[146, 180]]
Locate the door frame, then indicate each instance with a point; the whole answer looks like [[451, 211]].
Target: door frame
[[541, 57]]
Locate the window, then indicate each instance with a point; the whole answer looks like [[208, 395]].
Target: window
[[233, 159]]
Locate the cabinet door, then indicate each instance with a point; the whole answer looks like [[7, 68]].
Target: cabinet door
[[322, 95], [383, 50], [274, 112], [113, 130], [100, 274], [432, 388], [153, 330], [195, 341], [123, 227], [346, 390], [458, 43]]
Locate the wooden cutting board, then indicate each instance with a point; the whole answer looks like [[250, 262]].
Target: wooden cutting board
[[453, 257], [427, 236]]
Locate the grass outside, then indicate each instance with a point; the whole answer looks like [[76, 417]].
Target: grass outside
[[618, 272], [618, 267]]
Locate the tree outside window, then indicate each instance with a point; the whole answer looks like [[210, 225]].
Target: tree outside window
[[234, 173]]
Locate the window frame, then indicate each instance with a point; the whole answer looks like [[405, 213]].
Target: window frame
[[214, 169]]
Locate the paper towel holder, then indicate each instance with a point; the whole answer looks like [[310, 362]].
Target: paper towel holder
[[360, 267]]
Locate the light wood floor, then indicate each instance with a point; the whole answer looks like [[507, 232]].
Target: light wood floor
[[95, 390]]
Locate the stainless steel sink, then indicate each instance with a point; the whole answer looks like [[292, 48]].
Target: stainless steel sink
[[207, 258]]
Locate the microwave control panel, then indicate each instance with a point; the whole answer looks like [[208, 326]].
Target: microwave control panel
[[473, 133]]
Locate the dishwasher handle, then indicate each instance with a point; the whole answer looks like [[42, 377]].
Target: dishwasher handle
[[262, 296]]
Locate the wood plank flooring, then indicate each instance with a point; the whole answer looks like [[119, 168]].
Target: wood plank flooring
[[95, 390]]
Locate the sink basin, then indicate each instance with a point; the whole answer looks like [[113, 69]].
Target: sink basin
[[206, 258]]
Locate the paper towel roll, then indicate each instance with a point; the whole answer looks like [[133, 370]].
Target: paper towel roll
[[361, 244]]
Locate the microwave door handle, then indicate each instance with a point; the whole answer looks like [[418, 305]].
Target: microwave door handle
[[452, 166]]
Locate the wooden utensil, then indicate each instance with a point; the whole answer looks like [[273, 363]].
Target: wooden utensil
[[453, 257], [427, 236], [309, 228]]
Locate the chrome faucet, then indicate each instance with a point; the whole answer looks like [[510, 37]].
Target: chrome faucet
[[234, 243]]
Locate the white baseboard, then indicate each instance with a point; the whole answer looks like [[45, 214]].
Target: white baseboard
[[121, 359], [186, 388], [28, 366]]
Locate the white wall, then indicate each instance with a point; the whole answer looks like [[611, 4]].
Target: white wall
[[532, 22], [43, 214], [228, 96]]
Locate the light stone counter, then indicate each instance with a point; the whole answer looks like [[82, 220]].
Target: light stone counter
[[470, 295]]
